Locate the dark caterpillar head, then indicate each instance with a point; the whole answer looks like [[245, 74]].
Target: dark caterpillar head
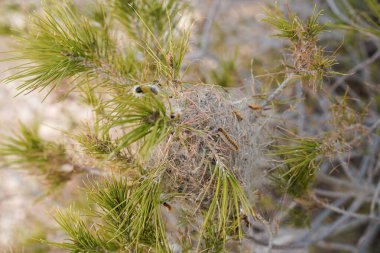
[[140, 90]]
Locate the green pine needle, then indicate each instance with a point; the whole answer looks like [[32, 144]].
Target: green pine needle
[[143, 119], [127, 217], [309, 60], [81, 237], [222, 220], [26, 149], [152, 24], [137, 15], [301, 159], [61, 43], [293, 28]]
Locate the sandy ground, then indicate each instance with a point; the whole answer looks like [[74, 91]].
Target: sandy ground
[[18, 189]]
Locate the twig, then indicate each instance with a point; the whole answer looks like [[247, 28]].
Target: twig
[[348, 213], [277, 91], [348, 172], [339, 194], [342, 183], [207, 27], [355, 69], [94, 171], [300, 109], [340, 225], [337, 12], [375, 199], [336, 246], [367, 237], [323, 215], [273, 246], [374, 126]]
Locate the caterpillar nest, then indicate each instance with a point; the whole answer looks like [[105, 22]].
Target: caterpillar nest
[[218, 127]]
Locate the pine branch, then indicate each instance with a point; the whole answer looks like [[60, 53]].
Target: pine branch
[[275, 93], [127, 218], [26, 149], [146, 21], [62, 43], [308, 60], [146, 119], [152, 24]]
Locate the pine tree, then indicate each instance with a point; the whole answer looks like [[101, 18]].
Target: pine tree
[[158, 145], [142, 125]]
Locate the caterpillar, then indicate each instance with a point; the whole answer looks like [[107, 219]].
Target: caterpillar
[[245, 219], [140, 90], [228, 138], [169, 207], [257, 107], [238, 115]]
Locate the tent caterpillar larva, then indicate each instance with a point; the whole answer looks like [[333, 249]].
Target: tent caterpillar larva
[[238, 115], [228, 138]]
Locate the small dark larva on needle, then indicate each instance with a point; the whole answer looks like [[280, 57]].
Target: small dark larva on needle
[[140, 90]]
